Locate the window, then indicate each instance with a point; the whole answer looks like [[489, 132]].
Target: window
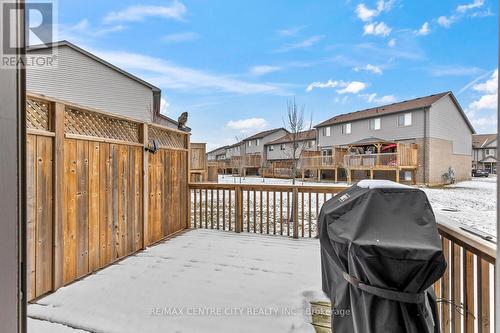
[[404, 119], [346, 128], [326, 131], [257, 142], [271, 148], [282, 147], [249, 143], [374, 124], [489, 152], [311, 143]]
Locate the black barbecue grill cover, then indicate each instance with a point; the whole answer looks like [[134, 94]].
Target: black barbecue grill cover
[[380, 255]]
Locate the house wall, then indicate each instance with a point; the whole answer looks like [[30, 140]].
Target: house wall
[[278, 154], [218, 154], [233, 151], [389, 130], [446, 122], [442, 157], [85, 81], [254, 149]]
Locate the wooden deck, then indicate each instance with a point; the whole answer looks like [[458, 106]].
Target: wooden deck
[[465, 292]]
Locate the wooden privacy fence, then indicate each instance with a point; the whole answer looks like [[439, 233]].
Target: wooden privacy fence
[[94, 194], [465, 292]]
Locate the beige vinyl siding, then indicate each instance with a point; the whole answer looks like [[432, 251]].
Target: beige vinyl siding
[[446, 122], [82, 80]]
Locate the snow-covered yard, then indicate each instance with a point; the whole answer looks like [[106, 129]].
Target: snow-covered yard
[[472, 203], [200, 281]]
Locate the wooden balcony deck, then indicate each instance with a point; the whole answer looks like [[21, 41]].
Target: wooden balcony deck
[[465, 292]]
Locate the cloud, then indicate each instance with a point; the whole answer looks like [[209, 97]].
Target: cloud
[[372, 98], [170, 75], [366, 14], [473, 5], [369, 68], [180, 37], [467, 10], [290, 32], [489, 89], [83, 32], [392, 42], [301, 45], [377, 29], [445, 21], [175, 11], [264, 69], [424, 29], [246, 125], [164, 106], [452, 70], [353, 87]]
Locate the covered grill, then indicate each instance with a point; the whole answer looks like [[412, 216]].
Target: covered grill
[[380, 255]]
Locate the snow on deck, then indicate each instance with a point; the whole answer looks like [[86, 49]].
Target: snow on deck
[[200, 281]]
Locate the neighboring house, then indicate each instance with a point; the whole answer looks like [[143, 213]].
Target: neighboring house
[[484, 152], [217, 154], [282, 148], [234, 150], [255, 144], [436, 123], [82, 78]]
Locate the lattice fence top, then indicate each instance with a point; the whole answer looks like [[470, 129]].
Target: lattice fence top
[[37, 114], [100, 125], [166, 138]]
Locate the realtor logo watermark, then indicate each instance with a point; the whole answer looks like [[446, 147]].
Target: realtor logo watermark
[[40, 19]]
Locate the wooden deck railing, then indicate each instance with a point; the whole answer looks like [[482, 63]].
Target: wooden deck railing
[[465, 293], [318, 162], [265, 209]]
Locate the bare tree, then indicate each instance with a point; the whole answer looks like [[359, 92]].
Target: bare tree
[[296, 125]]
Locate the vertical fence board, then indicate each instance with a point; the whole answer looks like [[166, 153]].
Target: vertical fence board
[[70, 182], [31, 186], [44, 217], [94, 205], [82, 208]]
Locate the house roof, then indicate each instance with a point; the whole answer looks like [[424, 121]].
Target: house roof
[[93, 56], [263, 134], [302, 136], [412, 104], [482, 140], [216, 149]]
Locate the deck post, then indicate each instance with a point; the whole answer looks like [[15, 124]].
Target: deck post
[[349, 176], [145, 186], [295, 212], [336, 174], [238, 204], [319, 175], [58, 183], [397, 175], [371, 173]]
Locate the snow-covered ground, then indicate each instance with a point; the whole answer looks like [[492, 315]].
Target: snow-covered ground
[[472, 203], [200, 281]]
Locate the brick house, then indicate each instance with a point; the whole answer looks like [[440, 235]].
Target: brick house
[[435, 124]]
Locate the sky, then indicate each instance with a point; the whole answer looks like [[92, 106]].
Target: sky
[[234, 65]]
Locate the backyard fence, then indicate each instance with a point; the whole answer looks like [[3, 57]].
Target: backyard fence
[[94, 194], [465, 292]]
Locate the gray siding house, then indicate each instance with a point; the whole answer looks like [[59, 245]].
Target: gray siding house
[[255, 143], [436, 123], [282, 148], [217, 154], [82, 78], [484, 152]]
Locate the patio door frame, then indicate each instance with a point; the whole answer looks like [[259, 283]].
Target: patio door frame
[[12, 182]]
